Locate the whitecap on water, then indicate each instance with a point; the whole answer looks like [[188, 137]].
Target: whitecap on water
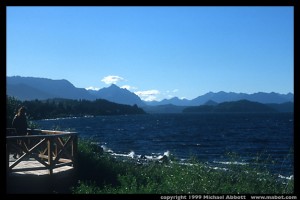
[[286, 177], [105, 149], [167, 153], [219, 168], [131, 154], [158, 157], [230, 163]]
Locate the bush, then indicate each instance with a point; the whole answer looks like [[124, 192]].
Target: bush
[[100, 173]]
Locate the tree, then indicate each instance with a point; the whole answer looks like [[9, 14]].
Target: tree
[[12, 105]]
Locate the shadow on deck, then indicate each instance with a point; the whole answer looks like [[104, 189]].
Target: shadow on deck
[[60, 182]]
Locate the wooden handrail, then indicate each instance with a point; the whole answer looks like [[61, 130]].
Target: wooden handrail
[[37, 136], [52, 149]]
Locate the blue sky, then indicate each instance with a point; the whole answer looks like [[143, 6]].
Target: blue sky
[[156, 52]]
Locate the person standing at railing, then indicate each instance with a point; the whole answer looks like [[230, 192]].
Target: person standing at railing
[[20, 124], [20, 121]]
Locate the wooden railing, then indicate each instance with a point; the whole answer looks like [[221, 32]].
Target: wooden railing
[[52, 149]]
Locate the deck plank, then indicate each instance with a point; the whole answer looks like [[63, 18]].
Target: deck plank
[[32, 163]]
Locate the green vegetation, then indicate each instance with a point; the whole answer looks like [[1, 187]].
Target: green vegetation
[[12, 105], [100, 173]]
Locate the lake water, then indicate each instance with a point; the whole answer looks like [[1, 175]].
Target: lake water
[[266, 137]]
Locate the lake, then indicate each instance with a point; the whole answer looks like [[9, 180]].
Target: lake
[[266, 138]]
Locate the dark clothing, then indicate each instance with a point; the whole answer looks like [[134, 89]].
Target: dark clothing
[[20, 124]]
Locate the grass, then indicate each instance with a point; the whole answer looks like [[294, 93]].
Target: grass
[[100, 173]]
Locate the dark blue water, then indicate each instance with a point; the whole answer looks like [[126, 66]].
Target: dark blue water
[[256, 137]]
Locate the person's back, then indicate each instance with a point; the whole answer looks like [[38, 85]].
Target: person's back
[[20, 122]]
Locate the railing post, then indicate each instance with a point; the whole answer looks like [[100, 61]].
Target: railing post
[[74, 150], [7, 157], [50, 158]]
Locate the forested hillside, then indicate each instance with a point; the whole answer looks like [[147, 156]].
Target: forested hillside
[[54, 108]]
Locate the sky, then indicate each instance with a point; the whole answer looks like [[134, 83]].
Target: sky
[[156, 52]]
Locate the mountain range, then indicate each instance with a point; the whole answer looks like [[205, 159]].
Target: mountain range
[[221, 96], [31, 88]]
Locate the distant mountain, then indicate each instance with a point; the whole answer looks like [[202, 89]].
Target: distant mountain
[[221, 97], [217, 97], [118, 95], [25, 92], [210, 103], [271, 97], [233, 106], [174, 101], [30, 88]]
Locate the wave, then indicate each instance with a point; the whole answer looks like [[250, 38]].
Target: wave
[[231, 163], [165, 157], [61, 118], [286, 177]]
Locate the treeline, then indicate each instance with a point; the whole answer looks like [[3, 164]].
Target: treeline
[[240, 106], [54, 108]]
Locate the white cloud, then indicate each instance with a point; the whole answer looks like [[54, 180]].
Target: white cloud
[[173, 91], [148, 92], [92, 88], [112, 79], [128, 87], [148, 95], [149, 98]]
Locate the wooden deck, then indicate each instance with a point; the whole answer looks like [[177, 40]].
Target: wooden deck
[[47, 164], [40, 181], [33, 164]]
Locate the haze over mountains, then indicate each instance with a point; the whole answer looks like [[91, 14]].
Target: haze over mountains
[[31, 88]]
